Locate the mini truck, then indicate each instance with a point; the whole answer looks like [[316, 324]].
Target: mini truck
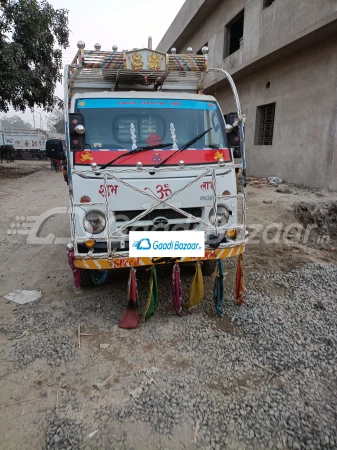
[[147, 151]]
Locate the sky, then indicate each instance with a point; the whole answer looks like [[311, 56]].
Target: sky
[[125, 23]]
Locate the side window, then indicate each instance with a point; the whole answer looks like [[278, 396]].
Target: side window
[[234, 34], [265, 118], [215, 136]]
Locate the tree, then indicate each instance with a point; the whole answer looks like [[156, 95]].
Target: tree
[[32, 35], [14, 122], [56, 121]]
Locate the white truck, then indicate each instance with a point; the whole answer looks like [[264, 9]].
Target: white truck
[[147, 150], [28, 144]]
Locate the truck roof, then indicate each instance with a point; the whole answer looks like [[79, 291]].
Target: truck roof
[[146, 94], [142, 70]]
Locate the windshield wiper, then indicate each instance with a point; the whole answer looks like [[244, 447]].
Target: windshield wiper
[[136, 150], [184, 147]]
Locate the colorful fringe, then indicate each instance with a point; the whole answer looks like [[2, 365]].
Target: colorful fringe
[[76, 271], [218, 290], [240, 286], [176, 284], [197, 288], [152, 300], [130, 317]]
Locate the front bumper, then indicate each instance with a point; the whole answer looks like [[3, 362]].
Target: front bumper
[[90, 262]]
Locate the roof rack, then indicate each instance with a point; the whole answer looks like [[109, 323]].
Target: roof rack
[[139, 69]]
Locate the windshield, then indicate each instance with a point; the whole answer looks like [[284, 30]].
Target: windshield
[[121, 123]]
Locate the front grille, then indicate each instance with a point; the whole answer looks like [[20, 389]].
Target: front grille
[[101, 247], [169, 214], [171, 227]]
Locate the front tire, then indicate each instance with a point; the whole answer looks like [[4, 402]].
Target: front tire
[[208, 267], [86, 278]]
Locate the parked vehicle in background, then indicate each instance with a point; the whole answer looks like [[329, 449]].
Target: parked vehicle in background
[[28, 144]]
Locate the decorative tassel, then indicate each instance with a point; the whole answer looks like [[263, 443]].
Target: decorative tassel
[[152, 300], [176, 284], [130, 317], [240, 285], [76, 271], [218, 290], [197, 288]]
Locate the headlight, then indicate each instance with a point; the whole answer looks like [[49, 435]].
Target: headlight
[[220, 218], [94, 222]]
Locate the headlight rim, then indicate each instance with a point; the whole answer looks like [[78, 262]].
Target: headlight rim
[[85, 220], [227, 216]]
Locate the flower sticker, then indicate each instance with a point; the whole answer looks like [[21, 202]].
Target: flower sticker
[[154, 139], [218, 155], [86, 156]]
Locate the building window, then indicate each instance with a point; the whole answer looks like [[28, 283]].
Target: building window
[[267, 3], [199, 52], [234, 34], [265, 124]]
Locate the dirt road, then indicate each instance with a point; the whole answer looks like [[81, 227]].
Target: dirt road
[[262, 378]]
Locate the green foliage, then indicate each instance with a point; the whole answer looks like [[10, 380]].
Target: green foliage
[[14, 123], [32, 35]]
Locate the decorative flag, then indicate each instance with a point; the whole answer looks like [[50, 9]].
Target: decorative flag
[[176, 284], [218, 290], [152, 301], [197, 288], [240, 285], [76, 271], [130, 317]]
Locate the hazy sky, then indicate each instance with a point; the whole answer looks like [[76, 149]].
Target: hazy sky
[[125, 23]]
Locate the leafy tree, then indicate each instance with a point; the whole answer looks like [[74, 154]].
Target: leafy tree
[[56, 121], [14, 122], [32, 35]]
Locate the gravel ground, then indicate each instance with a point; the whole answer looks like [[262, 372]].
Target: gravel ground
[[263, 377]]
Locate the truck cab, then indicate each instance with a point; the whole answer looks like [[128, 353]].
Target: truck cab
[[146, 151]]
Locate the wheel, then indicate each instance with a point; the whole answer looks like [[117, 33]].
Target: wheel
[[86, 278], [92, 277], [27, 156], [208, 267], [43, 156]]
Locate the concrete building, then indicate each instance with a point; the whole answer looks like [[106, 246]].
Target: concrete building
[[282, 55]]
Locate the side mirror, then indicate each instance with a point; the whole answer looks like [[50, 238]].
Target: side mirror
[[54, 148], [233, 133], [76, 131]]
